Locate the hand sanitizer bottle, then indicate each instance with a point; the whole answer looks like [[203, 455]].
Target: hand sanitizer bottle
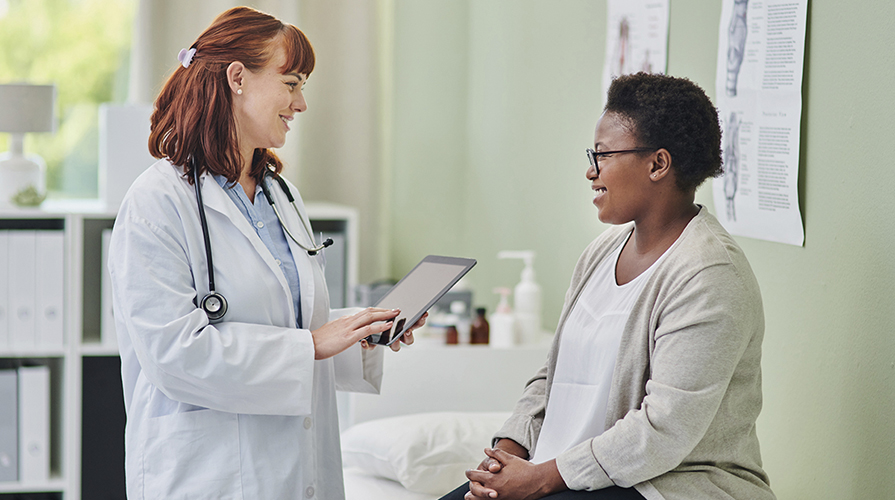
[[503, 324], [526, 297]]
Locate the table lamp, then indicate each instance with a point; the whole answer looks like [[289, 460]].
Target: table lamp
[[24, 108]]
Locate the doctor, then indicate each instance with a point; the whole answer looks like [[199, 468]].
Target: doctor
[[243, 405]]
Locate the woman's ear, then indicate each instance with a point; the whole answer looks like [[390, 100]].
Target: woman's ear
[[661, 166], [235, 73]]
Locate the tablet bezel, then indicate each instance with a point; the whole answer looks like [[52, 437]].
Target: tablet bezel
[[436, 259]]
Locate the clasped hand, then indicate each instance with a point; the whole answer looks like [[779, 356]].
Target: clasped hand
[[507, 476]]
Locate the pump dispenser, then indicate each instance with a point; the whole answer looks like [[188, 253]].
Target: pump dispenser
[[526, 297]]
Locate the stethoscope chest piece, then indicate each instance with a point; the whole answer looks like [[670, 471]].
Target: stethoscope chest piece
[[214, 305]]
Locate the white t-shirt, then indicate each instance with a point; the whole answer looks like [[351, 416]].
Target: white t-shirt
[[588, 350]]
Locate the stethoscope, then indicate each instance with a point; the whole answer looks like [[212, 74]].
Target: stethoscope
[[214, 304]]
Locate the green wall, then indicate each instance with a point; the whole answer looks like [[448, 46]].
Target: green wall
[[494, 102]]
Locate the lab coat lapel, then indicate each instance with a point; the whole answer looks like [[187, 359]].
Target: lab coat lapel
[[303, 262], [216, 199]]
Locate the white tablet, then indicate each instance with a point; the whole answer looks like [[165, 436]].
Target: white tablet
[[418, 291]]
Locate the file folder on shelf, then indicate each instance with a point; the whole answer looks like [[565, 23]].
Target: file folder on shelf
[[4, 289], [50, 281], [34, 424], [21, 288], [9, 431]]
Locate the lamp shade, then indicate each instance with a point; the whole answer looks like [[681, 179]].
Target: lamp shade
[[27, 108]]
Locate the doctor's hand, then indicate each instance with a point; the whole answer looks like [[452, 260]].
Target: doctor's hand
[[340, 334], [517, 479], [407, 336]]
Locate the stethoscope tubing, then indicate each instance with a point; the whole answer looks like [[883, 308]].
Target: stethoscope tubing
[[204, 222], [314, 248], [214, 304]]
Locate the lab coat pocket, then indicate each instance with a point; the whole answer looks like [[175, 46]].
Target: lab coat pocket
[[191, 455]]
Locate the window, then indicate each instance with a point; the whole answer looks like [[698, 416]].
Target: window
[[83, 47]]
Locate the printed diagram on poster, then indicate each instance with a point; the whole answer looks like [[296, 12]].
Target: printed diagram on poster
[[636, 38], [758, 87]]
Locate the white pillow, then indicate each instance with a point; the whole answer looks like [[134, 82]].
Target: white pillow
[[425, 452]]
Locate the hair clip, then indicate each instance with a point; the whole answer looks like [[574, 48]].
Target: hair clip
[[186, 57]]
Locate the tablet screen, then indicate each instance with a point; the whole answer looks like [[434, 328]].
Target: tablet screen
[[420, 289]]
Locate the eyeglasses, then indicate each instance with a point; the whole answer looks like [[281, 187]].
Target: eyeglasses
[[595, 156]]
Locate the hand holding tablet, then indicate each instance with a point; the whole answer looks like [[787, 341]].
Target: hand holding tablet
[[427, 282]]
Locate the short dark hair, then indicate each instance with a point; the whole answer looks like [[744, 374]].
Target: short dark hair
[[672, 113]]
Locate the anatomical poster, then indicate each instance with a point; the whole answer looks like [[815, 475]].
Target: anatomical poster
[[758, 91], [636, 38]]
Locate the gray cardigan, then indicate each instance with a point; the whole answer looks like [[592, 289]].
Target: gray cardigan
[[686, 389]]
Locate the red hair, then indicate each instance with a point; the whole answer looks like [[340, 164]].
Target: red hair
[[193, 115]]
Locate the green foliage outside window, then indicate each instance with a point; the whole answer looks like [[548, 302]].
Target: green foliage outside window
[[83, 47]]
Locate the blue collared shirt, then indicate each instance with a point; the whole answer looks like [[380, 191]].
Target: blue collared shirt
[[267, 226]]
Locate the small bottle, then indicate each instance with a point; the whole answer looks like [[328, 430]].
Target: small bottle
[[526, 297], [502, 322], [460, 319], [480, 329], [451, 336], [435, 328]]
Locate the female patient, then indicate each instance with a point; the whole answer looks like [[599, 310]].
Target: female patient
[[653, 384]]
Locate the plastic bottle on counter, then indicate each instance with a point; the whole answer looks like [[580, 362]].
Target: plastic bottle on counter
[[526, 297], [502, 322], [434, 331], [480, 330], [460, 319]]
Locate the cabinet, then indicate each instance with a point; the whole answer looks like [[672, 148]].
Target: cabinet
[[86, 412]]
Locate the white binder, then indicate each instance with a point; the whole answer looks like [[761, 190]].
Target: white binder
[[50, 282], [21, 289], [4, 289], [34, 424], [9, 431], [107, 319]]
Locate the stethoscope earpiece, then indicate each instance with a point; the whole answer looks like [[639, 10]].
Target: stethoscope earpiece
[[313, 251]]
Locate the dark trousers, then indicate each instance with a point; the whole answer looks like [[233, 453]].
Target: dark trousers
[[613, 493]]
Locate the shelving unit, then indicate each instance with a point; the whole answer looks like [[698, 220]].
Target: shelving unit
[[86, 405]]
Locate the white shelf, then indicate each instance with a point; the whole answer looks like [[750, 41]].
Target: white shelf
[[98, 349], [52, 485], [32, 353]]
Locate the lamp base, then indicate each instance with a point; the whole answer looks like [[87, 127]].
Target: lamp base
[[17, 174]]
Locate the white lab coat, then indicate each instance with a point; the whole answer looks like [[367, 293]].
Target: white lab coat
[[238, 409]]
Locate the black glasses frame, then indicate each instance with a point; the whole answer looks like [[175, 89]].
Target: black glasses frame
[[594, 155]]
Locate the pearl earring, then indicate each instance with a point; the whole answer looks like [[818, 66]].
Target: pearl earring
[[238, 91]]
